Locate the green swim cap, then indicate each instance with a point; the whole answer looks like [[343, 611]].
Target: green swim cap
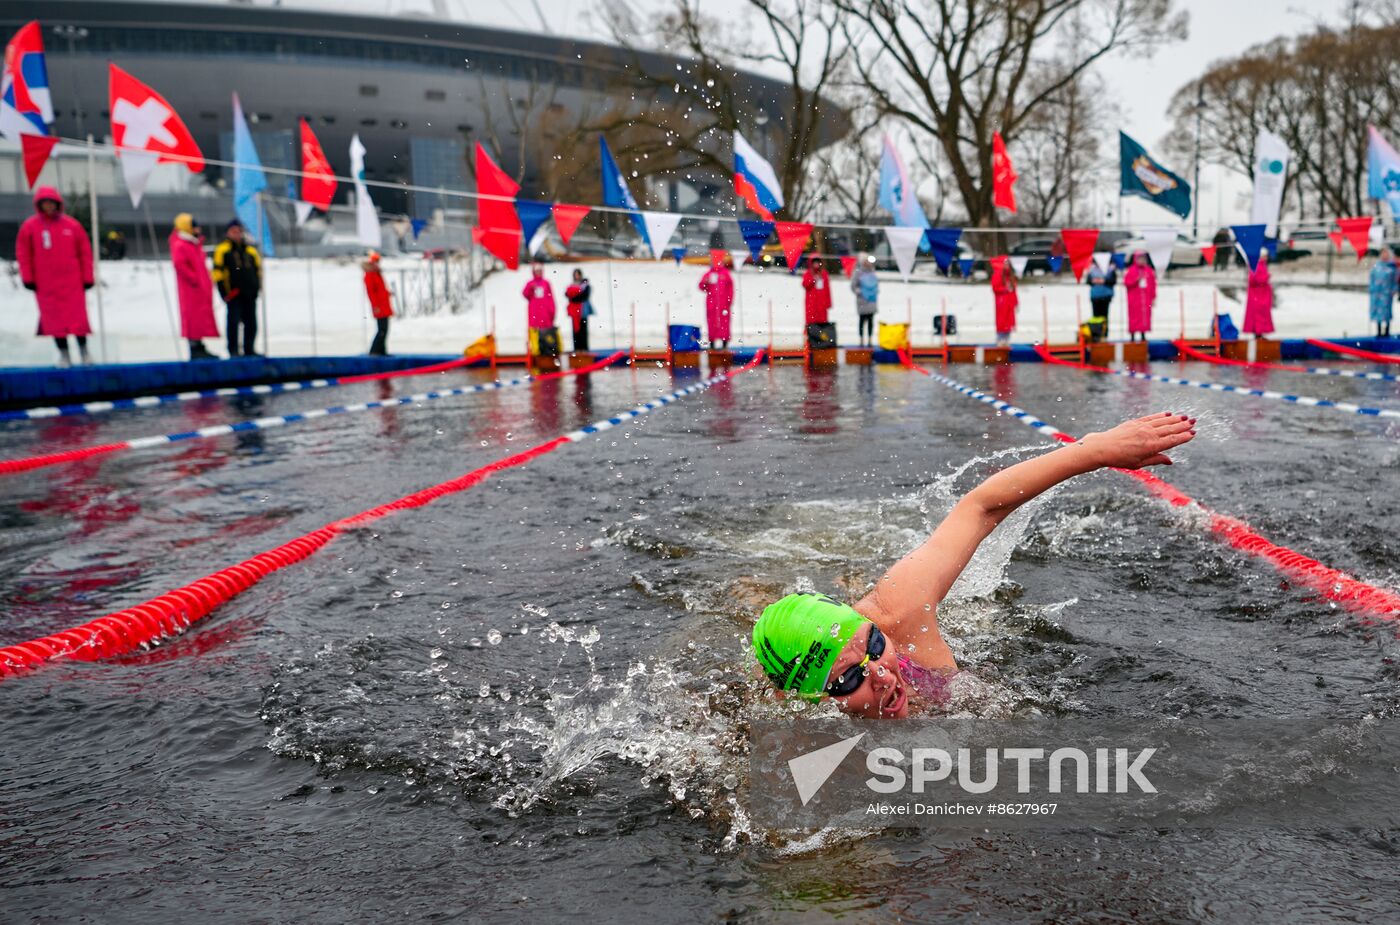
[[798, 639]]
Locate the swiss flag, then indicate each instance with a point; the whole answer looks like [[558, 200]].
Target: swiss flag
[[146, 131], [318, 186]]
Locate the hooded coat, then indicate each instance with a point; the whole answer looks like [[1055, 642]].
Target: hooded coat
[[818, 302], [1259, 303], [56, 258], [718, 286], [194, 285], [540, 309], [1141, 283], [1003, 282]]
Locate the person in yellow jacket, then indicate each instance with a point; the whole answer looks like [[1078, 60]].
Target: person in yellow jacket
[[238, 272]]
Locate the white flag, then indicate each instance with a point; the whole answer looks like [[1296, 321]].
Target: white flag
[[904, 244], [1019, 265], [1158, 244], [303, 210], [136, 170], [366, 216], [660, 227], [1102, 259], [1271, 157]]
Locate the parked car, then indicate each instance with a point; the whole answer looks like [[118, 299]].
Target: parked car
[[1185, 252], [1038, 252]]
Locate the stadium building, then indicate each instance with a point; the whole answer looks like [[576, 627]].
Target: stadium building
[[419, 85]]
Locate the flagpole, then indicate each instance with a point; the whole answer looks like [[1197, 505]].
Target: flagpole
[[164, 293], [311, 305], [96, 249], [262, 289], [612, 310]]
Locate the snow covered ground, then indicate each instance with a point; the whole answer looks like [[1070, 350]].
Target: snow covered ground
[[139, 327]]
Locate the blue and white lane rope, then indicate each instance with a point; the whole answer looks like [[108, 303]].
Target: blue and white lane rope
[[1223, 387], [1351, 373], [11, 466], [151, 401]]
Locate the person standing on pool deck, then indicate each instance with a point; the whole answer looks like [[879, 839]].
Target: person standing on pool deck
[[866, 285], [872, 656], [1382, 292], [1003, 282], [1259, 303], [380, 304], [539, 300], [55, 263], [1101, 282], [580, 296], [818, 287], [1141, 282], [718, 286], [194, 286], [238, 272]]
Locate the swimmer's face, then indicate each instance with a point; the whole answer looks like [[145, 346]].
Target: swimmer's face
[[883, 693]]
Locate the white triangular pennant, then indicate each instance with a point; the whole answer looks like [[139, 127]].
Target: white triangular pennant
[[1102, 259], [136, 170], [541, 233], [303, 210], [1158, 244], [739, 255], [904, 244], [1019, 265], [660, 227]]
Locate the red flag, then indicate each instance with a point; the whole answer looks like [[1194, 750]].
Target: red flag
[[143, 120], [500, 225], [1003, 176], [1079, 248], [848, 264], [1208, 252], [1357, 231], [793, 236], [1336, 238], [318, 187], [567, 218], [36, 150]]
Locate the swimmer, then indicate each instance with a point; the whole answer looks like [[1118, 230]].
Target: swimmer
[[870, 657]]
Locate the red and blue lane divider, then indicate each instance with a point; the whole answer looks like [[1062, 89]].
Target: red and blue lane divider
[[172, 613], [1356, 352], [271, 388], [1333, 584], [1195, 354], [28, 463], [1306, 400]]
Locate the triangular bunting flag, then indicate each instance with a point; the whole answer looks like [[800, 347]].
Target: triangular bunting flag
[[793, 237], [1250, 240], [532, 215], [965, 266], [1208, 252], [567, 218], [1102, 259], [1079, 248], [756, 235], [1055, 261], [1158, 243], [1357, 232], [660, 226], [679, 254], [737, 256], [1019, 265], [303, 210], [943, 243], [904, 244], [36, 150], [1337, 240], [418, 224], [848, 264], [1120, 259]]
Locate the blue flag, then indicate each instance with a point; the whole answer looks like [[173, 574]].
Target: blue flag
[[1142, 176], [1055, 261], [679, 254], [1120, 260], [897, 191], [1250, 239], [965, 267], [532, 215], [615, 191], [943, 242], [248, 181], [1382, 171], [756, 235], [418, 225]]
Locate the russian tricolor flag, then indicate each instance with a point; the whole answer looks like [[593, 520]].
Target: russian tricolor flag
[[26, 109], [754, 180]]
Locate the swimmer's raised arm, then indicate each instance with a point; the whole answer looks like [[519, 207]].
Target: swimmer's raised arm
[[903, 600]]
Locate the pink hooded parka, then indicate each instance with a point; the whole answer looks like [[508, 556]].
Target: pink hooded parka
[[718, 286], [540, 309], [1259, 303], [56, 258], [1141, 283], [194, 285]]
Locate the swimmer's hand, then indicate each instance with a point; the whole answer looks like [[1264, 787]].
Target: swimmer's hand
[[1140, 443]]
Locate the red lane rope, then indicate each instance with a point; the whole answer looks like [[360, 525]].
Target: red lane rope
[[171, 613], [11, 466], [415, 371], [1195, 354], [1356, 352], [1331, 583]]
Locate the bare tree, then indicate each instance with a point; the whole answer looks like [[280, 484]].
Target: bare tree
[[959, 70], [1059, 146]]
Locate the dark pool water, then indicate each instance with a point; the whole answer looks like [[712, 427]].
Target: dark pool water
[[529, 702]]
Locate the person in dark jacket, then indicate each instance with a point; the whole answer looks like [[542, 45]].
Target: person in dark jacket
[[1101, 285], [238, 271], [1222, 250], [580, 296]]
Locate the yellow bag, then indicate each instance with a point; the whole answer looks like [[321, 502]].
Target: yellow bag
[[894, 336], [483, 348]]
